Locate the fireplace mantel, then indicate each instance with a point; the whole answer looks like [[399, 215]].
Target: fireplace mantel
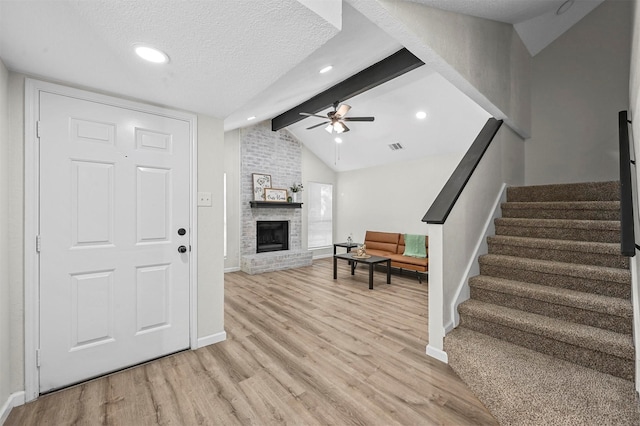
[[274, 204]]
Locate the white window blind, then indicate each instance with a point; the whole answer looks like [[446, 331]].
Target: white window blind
[[320, 215]]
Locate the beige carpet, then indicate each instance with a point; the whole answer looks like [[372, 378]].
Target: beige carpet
[[523, 387]]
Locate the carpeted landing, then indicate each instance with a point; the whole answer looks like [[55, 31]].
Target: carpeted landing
[[524, 387]]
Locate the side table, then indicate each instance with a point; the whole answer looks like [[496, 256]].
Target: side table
[[344, 245]]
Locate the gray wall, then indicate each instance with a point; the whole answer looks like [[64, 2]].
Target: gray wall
[[485, 59], [5, 307], [579, 83]]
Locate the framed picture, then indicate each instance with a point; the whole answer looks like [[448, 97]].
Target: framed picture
[[260, 182], [273, 194]]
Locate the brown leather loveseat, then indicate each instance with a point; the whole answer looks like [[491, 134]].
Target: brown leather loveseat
[[392, 245]]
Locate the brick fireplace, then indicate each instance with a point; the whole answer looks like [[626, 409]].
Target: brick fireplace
[[279, 155]]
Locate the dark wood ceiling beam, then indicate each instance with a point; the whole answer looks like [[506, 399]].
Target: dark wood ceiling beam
[[387, 69]]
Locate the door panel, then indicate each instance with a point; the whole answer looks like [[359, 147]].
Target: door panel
[[114, 190]]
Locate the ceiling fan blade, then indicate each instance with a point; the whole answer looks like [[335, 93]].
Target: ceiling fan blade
[[317, 125], [342, 111], [340, 127], [312, 115], [359, 118]]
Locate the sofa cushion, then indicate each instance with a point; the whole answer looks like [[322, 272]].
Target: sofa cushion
[[384, 241], [418, 261]]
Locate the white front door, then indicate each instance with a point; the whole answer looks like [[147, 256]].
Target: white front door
[[114, 211]]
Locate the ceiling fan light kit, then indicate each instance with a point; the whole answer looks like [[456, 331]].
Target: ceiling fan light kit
[[336, 119]]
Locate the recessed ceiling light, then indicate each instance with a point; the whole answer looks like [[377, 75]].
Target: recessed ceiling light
[[421, 115], [338, 140], [564, 7], [151, 54], [326, 69], [253, 117]]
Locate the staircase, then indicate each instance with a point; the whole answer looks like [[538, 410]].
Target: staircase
[[554, 280]]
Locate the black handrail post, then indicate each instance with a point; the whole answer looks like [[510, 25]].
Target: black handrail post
[[627, 242]]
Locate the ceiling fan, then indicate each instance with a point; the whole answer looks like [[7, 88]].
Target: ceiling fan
[[336, 119]]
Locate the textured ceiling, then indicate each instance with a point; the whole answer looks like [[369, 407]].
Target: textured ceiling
[[222, 52], [238, 58], [359, 45]]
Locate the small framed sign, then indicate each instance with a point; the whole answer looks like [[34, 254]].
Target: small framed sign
[[273, 194], [260, 182]]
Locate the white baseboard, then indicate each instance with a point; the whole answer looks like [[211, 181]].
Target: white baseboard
[[233, 269], [438, 354], [211, 339], [15, 399], [322, 256]]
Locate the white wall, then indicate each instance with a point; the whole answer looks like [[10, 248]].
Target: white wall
[[454, 246], [210, 230], [314, 170], [391, 198], [210, 248], [5, 249], [579, 83], [16, 228], [634, 110], [232, 169]]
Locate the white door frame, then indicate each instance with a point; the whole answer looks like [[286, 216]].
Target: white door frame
[[32, 208]]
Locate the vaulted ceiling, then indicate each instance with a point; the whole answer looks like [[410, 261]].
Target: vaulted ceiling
[[242, 58]]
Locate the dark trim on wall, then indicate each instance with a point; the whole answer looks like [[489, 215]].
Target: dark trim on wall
[[446, 199], [387, 69], [627, 242]]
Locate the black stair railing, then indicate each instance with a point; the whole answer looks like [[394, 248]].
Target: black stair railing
[[446, 199], [627, 243]]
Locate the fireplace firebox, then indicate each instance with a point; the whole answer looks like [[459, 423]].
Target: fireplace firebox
[[273, 235]]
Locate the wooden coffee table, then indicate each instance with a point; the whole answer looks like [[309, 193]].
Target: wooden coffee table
[[354, 260]]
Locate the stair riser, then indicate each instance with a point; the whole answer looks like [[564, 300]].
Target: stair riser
[[575, 234], [605, 288], [596, 360], [597, 259], [561, 214], [591, 191], [566, 313]]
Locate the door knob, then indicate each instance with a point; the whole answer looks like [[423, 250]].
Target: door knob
[[182, 249]]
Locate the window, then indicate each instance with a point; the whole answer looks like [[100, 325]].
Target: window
[[320, 219]]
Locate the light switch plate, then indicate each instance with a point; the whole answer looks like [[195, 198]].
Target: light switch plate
[[204, 199]]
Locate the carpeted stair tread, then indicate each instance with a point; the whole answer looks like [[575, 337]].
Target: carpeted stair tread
[[582, 210], [569, 251], [521, 386], [601, 273], [592, 338], [550, 244], [605, 225], [560, 229], [588, 191], [560, 296]]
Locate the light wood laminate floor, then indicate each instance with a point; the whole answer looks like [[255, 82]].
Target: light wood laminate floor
[[301, 349]]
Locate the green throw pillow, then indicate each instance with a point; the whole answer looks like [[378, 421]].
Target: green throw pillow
[[415, 245]]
